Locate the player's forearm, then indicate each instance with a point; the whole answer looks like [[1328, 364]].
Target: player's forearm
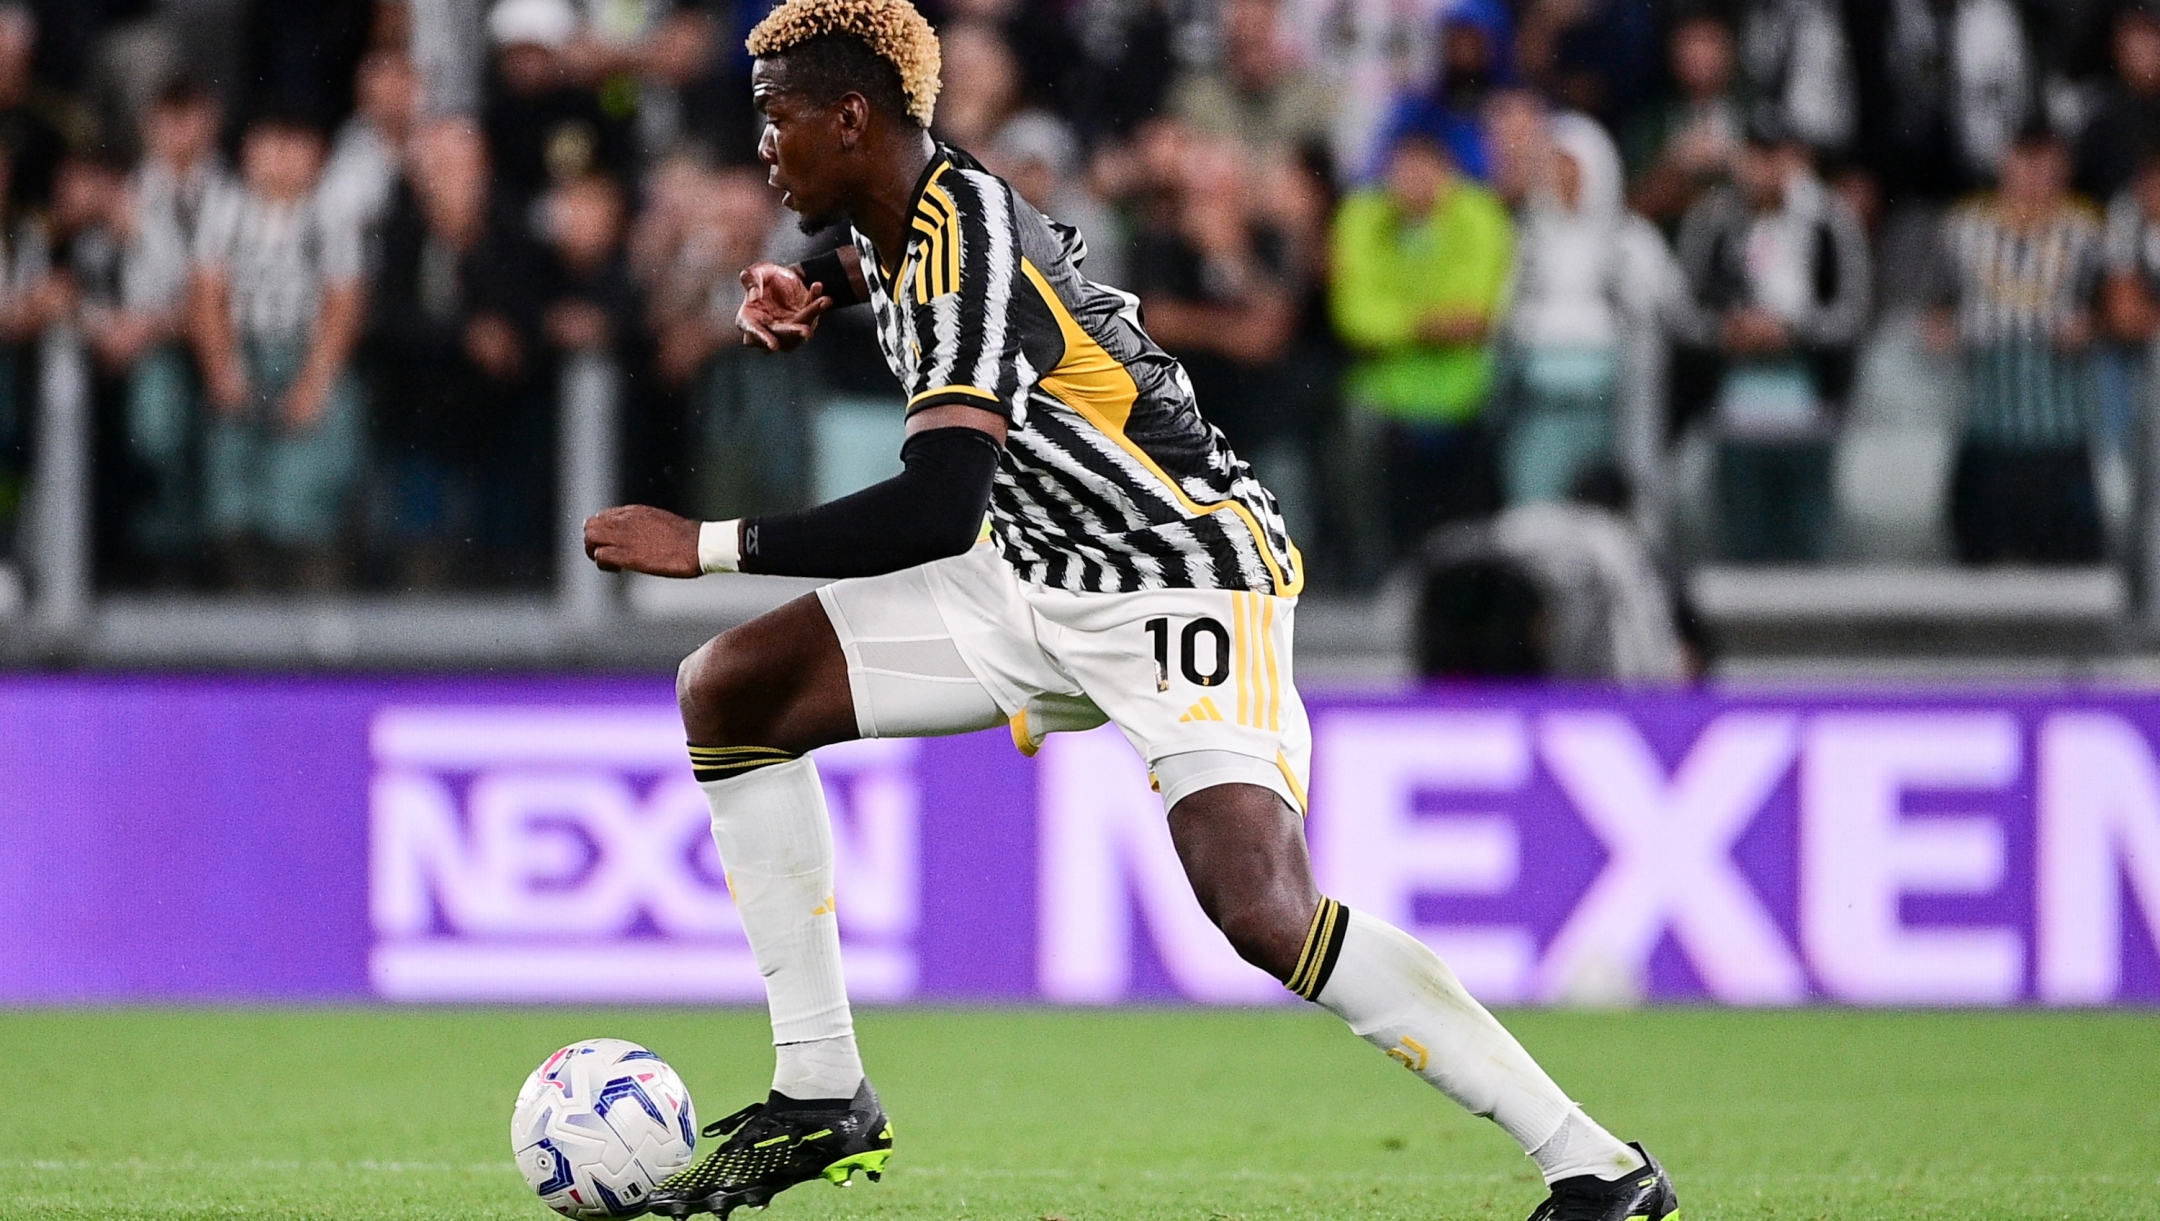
[[932, 510]]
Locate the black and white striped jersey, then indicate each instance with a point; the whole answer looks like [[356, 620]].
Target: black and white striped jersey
[[1111, 481]]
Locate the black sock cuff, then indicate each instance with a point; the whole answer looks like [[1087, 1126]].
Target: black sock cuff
[[777, 1101], [1323, 945], [723, 762]]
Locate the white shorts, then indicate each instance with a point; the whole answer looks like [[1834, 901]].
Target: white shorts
[[1198, 679]]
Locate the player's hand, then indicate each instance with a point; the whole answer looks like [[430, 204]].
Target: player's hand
[[779, 312], [640, 538]]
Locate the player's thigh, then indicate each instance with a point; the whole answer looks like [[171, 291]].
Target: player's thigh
[[907, 674], [779, 680]]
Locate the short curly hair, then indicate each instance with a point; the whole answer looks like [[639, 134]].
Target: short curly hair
[[891, 30]]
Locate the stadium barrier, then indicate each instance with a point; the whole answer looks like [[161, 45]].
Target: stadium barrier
[[541, 840]]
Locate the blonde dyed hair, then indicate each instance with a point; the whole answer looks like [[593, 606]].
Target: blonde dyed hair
[[893, 30]]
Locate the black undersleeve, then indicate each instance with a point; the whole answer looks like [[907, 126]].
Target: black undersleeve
[[930, 510], [827, 269]]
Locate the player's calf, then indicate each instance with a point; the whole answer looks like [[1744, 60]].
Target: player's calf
[[1244, 852]]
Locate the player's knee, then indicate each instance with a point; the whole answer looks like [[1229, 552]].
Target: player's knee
[[714, 689]]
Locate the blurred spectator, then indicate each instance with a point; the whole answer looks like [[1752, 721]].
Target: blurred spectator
[[2017, 286], [541, 126], [1476, 40], [981, 86], [1595, 56], [982, 109], [25, 305], [1943, 86], [140, 341], [362, 172], [642, 59], [1039, 156], [587, 300], [1557, 590], [86, 229], [1214, 277], [1678, 149], [1256, 92], [1421, 268], [1797, 62], [700, 229], [35, 124], [1043, 34], [1124, 69], [298, 56], [447, 372], [278, 308], [1517, 126], [2131, 290], [2126, 123], [1778, 275], [1585, 270]]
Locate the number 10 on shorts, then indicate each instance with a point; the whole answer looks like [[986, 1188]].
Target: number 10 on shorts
[[1190, 650]]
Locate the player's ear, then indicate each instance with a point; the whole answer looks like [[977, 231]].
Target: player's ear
[[852, 114]]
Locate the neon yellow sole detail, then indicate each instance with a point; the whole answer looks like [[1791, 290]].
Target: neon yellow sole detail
[[872, 1164]]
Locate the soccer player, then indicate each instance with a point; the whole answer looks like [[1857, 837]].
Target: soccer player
[[1069, 543]]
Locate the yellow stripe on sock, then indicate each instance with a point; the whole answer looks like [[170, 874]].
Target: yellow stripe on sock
[[1305, 975]]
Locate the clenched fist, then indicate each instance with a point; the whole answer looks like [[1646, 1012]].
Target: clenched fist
[[640, 538]]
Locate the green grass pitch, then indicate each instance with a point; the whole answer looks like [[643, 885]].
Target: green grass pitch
[[1118, 1115]]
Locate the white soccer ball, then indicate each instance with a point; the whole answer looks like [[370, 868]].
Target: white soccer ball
[[598, 1125]]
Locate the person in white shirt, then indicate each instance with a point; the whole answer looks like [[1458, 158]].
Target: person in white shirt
[[362, 172], [141, 340], [1586, 269], [278, 308]]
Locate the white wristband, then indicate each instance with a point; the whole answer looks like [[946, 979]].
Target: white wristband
[[719, 546]]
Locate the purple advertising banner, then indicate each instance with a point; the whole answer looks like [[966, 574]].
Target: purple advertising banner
[[541, 839]]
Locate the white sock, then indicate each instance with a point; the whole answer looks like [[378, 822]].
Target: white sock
[[1397, 995], [1582, 1147], [770, 825], [814, 1070]]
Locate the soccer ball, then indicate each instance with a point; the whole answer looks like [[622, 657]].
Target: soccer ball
[[598, 1124]]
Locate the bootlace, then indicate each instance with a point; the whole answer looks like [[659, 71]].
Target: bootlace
[[744, 1118]]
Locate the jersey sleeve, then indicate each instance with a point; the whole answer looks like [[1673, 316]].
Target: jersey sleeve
[[964, 281]]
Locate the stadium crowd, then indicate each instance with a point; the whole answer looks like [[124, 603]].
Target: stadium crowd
[[327, 258]]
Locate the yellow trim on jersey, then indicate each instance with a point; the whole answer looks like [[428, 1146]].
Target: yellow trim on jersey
[[970, 391], [1092, 382], [937, 266], [949, 247]]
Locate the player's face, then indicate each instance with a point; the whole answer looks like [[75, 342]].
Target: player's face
[[800, 146]]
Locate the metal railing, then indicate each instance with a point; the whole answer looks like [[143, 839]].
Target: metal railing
[[57, 510], [56, 535]]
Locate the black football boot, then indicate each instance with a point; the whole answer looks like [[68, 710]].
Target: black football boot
[[1639, 1195], [775, 1144]]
